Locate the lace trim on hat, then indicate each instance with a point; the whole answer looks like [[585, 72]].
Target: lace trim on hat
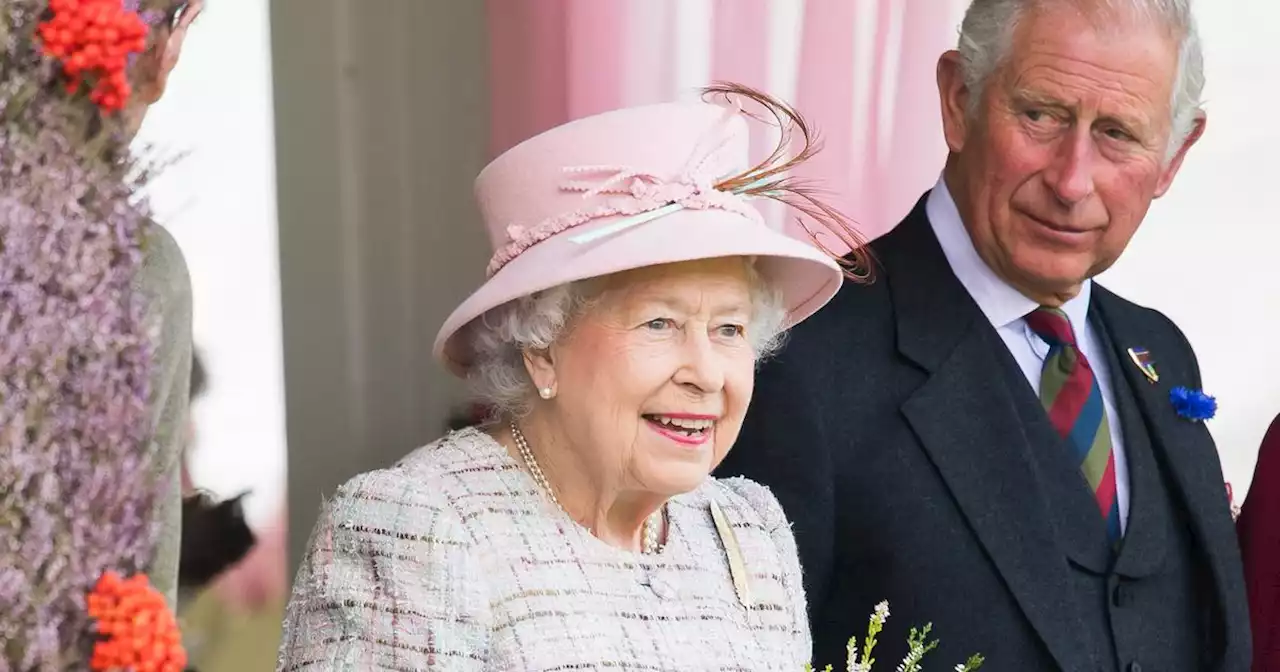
[[629, 192]]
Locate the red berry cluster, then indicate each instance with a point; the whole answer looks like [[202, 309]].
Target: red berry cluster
[[139, 632], [93, 39]]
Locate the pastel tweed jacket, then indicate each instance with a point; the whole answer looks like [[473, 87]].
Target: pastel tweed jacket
[[454, 560]]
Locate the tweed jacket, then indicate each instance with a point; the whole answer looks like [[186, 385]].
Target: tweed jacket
[[455, 560]]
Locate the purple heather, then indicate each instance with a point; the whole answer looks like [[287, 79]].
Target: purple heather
[[76, 489]]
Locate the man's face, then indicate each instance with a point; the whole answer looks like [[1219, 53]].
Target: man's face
[[1067, 149]]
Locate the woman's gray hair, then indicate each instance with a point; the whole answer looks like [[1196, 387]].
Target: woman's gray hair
[[987, 33], [498, 339]]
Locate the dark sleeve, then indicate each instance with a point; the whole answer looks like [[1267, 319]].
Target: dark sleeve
[[782, 446], [1260, 547]]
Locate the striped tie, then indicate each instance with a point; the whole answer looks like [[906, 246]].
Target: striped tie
[[1070, 394]]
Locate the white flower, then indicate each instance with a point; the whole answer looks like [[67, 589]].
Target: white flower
[[882, 613]]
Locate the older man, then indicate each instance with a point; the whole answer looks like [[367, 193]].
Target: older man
[[985, 436]]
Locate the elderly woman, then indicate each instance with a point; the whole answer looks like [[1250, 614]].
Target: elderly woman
[[631, 292]]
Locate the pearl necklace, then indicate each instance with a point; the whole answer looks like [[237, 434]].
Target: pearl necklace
[[650, 543]]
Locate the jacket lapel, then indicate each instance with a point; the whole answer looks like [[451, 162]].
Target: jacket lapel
[[1185, 451], [1174, 439], [966, 420]]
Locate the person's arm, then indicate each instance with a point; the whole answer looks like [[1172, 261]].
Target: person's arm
[[1260, 548], [782, 446], [389, 582], [165, 285]]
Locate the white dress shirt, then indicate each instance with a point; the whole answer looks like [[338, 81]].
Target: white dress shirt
[[1006, 307]]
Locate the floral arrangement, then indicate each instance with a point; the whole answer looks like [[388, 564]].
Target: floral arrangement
[[76, 486], [94, 38], [136, 626], [918, 644]]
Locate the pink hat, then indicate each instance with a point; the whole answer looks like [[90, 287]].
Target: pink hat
[[623, 190]]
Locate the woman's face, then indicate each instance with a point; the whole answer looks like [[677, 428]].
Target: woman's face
[[653, 380]]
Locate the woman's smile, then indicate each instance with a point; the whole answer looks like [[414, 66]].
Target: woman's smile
[[685, 429]]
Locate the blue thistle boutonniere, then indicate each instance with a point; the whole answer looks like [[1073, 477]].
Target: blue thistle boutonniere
[[1193, 405]]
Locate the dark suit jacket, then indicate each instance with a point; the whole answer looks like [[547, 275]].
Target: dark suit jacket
[[1259, 531], [897, 450]]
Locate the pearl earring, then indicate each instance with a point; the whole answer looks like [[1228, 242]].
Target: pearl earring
[[545, 393]]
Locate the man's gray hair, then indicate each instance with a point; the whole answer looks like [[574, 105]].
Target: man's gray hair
[[498, 340], [987, 32]]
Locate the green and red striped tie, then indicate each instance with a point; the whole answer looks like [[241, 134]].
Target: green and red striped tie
[[1073, 399]]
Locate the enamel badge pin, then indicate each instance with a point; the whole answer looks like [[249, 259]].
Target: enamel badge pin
[[1142, 359]]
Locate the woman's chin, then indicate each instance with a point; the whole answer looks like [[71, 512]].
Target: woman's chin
[[670, 477]]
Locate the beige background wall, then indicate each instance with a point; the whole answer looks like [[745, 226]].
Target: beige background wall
[[380, 128]]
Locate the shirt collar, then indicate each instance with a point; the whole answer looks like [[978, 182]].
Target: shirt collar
[[1000, 303]]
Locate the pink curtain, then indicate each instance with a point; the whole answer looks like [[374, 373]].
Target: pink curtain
[[551, 61], [556, 60], [825, 95], [739, 33], [917, 149], [528, 74]]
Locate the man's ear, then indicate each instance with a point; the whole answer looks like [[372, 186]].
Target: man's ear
[[953, 95], [1175, 164]]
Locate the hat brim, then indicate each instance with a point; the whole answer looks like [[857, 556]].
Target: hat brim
[[806, 277]]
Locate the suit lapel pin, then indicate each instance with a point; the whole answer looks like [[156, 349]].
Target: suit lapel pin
[[1141, 358]]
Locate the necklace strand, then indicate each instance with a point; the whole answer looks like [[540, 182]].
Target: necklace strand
[[650, 543]]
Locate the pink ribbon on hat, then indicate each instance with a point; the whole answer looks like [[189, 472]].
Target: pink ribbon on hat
[[641, 196]]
